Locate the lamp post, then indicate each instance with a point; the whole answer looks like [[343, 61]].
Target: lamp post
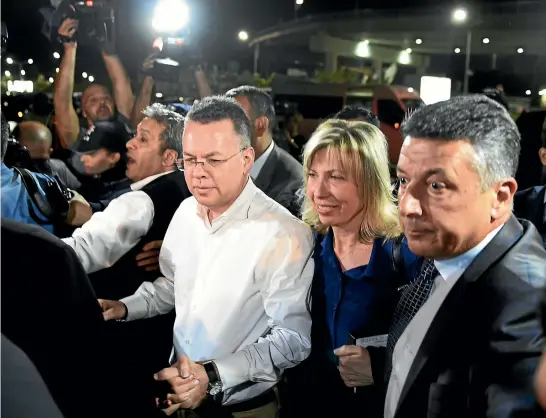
[[297, 5], [460, 16]]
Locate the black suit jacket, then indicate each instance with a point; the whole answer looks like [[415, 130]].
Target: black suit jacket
[[529, 204], [281, 178], [24, 393], [480, 354], [49, 310]]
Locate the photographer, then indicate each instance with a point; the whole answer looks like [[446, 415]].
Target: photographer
[[97, 102], [17, 203]]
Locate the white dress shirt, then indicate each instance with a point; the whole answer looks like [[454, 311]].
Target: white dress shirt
[[239, 286], [260, 161], [110, 234], [410, 341]]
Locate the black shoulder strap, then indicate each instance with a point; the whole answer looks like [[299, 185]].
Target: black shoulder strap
[[35, 196]]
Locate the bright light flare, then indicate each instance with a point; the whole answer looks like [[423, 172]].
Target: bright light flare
[[170, 16], [459, 15], [243, 36]]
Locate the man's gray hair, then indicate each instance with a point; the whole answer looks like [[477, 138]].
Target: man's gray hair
[[173, 124], [219, 108], [486, 124], [261, 103]]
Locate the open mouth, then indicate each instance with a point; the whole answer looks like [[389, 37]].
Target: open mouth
[[130, 161]]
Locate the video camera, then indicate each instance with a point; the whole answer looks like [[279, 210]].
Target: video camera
[[95, 17], [177, 45]]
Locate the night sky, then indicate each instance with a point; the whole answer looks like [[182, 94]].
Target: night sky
[[220, 20]]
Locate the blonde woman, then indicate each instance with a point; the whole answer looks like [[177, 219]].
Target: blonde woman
[[349, 202]]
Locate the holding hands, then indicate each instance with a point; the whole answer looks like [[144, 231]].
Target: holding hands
[[189, 383]]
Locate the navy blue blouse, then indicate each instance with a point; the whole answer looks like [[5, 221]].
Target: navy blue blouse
[[359, 301]]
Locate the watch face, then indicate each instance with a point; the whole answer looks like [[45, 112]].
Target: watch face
[[215, 389]]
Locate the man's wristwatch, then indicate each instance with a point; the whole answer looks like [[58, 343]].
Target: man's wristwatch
[[215, 384]]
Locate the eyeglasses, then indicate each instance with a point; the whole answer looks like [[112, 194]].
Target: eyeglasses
[[191, 163]]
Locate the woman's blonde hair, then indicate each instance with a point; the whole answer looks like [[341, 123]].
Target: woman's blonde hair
[[361, 149]]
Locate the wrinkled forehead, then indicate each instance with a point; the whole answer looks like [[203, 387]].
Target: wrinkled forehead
[[212, 137], [95, 90], [420, 156]]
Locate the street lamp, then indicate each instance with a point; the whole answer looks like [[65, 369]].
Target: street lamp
[[528, 92], [91, 78], [23, 72], [419, 41], [520, 50], [30, 61], [9, 60], [297, 5], [51, 80], [84, 74], [7, 73], [56, 55], [243, 36], [460, 16]]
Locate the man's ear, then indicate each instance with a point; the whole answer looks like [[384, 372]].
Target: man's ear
[[504, 198], [261, 126], [170, 157], [115, 157], [542, 155]]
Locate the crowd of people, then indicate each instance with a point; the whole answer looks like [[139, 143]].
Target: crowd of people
[[200, 270]]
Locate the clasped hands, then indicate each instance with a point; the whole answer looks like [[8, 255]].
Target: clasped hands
[[189, 383]]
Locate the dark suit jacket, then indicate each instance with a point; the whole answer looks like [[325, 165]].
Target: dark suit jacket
[[281, 178], [480, 354], [49, 310], [529, 204], [24, 393]]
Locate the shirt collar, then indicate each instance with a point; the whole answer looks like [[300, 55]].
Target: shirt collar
[[237, 210], [455, 267], [371, 269], [138, 185], [260, 161]]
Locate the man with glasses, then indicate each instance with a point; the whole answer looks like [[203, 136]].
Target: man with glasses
[[237, 267]]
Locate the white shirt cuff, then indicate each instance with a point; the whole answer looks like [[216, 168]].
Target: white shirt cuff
[[136, 307], [233, 369]]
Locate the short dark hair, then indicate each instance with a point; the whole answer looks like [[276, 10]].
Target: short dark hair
[[5, 134], [218, 108], [491, 131], [361, 113], [173, 124], [261, 103]]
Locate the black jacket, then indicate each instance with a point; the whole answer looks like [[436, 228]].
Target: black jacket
[[480, 354], [49, 310]]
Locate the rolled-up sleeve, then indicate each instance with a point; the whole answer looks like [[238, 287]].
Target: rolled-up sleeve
[[110, 234], [288, 267]]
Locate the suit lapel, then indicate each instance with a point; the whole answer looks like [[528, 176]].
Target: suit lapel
[[264, 179], [450, 310]]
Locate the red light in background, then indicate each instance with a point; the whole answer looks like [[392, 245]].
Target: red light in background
[[396, 125], [158, 44], [89, 3]]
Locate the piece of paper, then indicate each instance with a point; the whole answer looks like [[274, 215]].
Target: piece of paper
[[375, 341]]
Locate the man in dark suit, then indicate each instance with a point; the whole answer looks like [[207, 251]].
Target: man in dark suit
[[466, 338], [21, 382], [49, 310], [275, 171], [530, 204]]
